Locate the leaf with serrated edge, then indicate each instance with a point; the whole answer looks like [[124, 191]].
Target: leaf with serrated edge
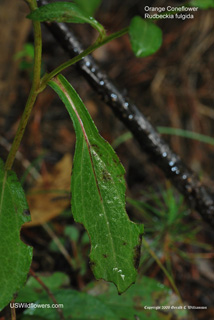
[[65, 12], [98, 196], [15, 256]]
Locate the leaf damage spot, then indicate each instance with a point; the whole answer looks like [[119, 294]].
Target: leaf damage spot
[[95, 147], [26, 212], [106, 176]]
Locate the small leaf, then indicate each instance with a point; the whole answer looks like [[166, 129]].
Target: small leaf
[[87, 6], [98, 196], [146, 37], [15, 256], [202, 4], [72, 233], [65, 12]]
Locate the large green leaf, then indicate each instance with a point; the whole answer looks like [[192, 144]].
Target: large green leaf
[[65, 12], [87, 6], [98, 196], [143, 301], [146, 37], [76, 306], [137, 302], [15, 256]]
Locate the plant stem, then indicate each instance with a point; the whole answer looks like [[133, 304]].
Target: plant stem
[[13, 311], [86, 52], [59, 245], [33, 92], [50, 294]]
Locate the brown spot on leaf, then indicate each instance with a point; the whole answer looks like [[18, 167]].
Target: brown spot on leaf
[[124, 243], [115, 161], [26, 212], [105, 256], [105, 175]]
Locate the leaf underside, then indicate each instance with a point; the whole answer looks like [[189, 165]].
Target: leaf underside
[[15, 256], [98, 196]]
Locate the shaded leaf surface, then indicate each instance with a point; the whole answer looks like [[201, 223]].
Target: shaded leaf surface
[[103, 303], [65, 12], [145, 36], [32, 291], [77, 306], [15, 256], [98, 196]]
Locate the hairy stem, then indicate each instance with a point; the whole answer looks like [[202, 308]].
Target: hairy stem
[[33, 92]]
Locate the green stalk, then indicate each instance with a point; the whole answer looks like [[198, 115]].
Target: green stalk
[[33, 92], [39, 85], [186, 134], [96, 45]]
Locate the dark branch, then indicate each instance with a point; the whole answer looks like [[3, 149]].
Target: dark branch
[[149, 140]]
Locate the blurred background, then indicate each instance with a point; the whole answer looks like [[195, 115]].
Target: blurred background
[[173, 88]]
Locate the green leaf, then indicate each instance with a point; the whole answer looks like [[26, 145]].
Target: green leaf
[[134, 302], [27, 52], [202, 4], [146, 37], [98, 196], [77, 306], [88, 6], [104, 303], [33, 290], [65, 12], [15, 256], [72, 233]]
